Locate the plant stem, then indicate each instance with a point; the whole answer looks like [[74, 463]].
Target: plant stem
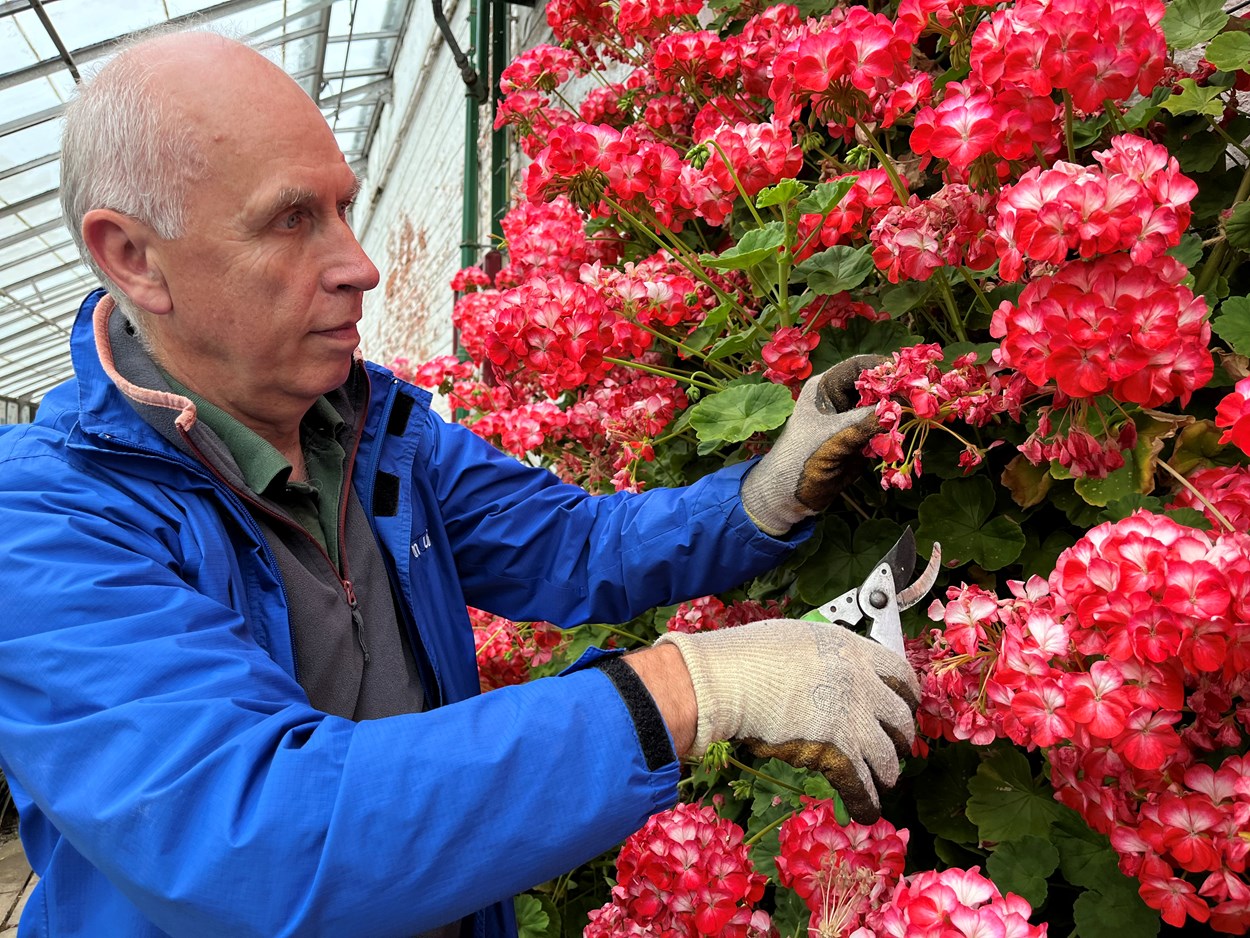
[[952, 308], [856, 506], [664, 373], [1211, 267], [886, 163], [1067, 126], [637, 639], [1227, 137], [733, 174], [1114, 116], [758, 835], [763, 776], [680, 252], [1198, 495], [686, 349], [976, 289], [784, 263]]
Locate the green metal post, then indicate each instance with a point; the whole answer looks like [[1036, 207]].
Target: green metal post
[[468, 217], [498, 138]]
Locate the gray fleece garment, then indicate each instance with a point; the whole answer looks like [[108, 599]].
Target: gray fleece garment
[[355, 664]]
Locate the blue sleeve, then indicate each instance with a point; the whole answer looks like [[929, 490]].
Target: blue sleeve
[[170, 751], [530, 547]]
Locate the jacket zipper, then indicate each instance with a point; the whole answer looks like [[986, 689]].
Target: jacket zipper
[[349, 591]]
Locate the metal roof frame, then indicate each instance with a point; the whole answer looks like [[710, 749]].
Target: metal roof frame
[[42, 279]]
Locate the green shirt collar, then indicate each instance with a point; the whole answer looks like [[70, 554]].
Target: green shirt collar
[[259, 461]]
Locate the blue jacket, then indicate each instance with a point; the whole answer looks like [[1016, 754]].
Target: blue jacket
[[172, 777]]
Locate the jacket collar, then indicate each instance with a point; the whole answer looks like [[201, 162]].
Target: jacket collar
[[123, 394]]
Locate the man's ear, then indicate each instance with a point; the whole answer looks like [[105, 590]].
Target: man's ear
[[124, 248]]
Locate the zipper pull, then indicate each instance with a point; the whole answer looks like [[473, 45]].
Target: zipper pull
[[358, 622]]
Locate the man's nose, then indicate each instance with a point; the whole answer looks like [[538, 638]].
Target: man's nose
[[352, 268]]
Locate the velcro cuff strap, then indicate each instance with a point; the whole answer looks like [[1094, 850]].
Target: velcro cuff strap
[[653, 738]]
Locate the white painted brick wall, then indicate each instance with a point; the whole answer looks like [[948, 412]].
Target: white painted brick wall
[[409, 218]]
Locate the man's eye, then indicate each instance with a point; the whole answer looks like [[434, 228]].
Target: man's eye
[[291, 220], [345, 210]]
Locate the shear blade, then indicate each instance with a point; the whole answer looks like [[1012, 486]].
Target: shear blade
[[902, 560]]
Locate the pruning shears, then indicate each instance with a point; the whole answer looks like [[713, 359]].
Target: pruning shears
[[884, 594]]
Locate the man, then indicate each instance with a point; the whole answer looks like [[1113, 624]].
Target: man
[[238, 692]]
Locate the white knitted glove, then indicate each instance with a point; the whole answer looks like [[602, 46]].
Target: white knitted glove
[[818, 453], [814, 694]]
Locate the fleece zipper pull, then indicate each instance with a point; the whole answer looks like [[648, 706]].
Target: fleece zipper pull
[[358, 622]]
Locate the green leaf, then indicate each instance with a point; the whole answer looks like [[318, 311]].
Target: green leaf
[[1117, 484], [900, 298], [1021, 866], [1189, 251], [1201, 100], [1238, 226], [1005, 801], [1190, 517], [791, 916], [712, 326], [1140, 114], [835, 269], [861, 337], [1085, 856], [844, 559], [941, 790], [754, 247], [1120, 508], [1229, 52], [777, 780], [729, 345], [1233, 324], [1080, 512], [739, 412], [959, 516], [956, 349], [533, 919], [1038, 559], [1114, 915], [1189, 22], [780, 194], [1200, 152], [826, 196]]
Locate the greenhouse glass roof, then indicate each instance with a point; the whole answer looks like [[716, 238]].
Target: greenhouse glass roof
[[342, 51]]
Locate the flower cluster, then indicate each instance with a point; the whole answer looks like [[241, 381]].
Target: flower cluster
[[709, 613], [859, 213], [1233, 415], [560, 331], [842, 873], [987, 651], [1137, 201], [1129, 669], [787, 355], [948, 229], [851, 879], [958, 902], [1104, 326], [853, 67], [686, 872], [1221, 493], [979, 131], [507, 650], [1092, 51], [913, 395]]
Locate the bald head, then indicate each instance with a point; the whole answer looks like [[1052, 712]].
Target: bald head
[[155, 120]]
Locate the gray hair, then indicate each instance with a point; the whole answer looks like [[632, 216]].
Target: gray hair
[[123, 149]]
